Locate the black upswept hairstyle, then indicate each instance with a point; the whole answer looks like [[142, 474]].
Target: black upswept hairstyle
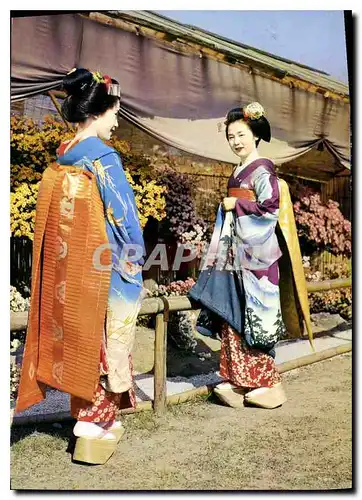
[[86, 96], [260, 126]]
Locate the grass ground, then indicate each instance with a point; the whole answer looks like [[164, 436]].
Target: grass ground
[[304, 445]]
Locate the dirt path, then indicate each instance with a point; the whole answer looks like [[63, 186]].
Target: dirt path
[[304, 445]]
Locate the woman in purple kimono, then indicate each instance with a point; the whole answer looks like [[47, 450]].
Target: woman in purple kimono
[[250, 214]]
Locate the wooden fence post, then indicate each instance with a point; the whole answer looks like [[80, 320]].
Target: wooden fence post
[[160, 365], [160, 372]]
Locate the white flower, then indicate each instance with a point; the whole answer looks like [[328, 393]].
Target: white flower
[[14, 345], [306, 261], [254, 111], [17, 302]]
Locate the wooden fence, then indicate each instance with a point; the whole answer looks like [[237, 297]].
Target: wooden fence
[[325, 259], [161, 307]]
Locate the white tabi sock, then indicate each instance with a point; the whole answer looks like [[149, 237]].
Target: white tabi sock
[[92, 430]]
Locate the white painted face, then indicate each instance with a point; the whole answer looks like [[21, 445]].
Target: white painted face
[[241, 138], [107, 122]]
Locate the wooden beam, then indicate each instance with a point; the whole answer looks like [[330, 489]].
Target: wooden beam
[[173, 399], [58, 108], [298, 176], [155, 305], [323, 286], [314, 357], [60, 94]]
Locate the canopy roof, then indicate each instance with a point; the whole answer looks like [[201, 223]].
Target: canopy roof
[[178, 81]]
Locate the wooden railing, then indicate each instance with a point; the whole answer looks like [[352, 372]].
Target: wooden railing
[[161, 306]]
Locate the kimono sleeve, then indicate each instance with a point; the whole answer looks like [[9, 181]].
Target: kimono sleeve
[[255, 221], [119, 202]]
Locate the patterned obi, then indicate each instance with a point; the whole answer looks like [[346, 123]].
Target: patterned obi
[[242, 193]]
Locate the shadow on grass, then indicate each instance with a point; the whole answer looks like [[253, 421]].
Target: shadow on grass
[[19, 432], [187, 364]]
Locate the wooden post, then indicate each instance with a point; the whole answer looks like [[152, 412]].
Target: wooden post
[[58, 108], [160, 364]]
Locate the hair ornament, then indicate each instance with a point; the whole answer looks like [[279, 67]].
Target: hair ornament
[[97, 76], [254, 111], [114, 89], [107, 80]]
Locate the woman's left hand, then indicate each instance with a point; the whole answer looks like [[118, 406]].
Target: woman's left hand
[[229, 203]]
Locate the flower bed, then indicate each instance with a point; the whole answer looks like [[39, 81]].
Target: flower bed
[[321, 226]]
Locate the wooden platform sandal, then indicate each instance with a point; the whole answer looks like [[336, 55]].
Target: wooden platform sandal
[[95, 450], [267, 397], [231, 395]]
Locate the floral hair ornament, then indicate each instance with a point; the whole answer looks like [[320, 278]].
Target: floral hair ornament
[[97, 76], [254, 111], [107, 80], [112, 88]]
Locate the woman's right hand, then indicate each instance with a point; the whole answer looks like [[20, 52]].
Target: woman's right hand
[[229, 203]]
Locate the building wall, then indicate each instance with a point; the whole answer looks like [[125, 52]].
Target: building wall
[[339, 189]]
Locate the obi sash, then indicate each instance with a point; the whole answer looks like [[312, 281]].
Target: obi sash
[[242, 193], [69, 292]]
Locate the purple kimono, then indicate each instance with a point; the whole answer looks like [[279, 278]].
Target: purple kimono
[[258, 250], [255, 250]]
